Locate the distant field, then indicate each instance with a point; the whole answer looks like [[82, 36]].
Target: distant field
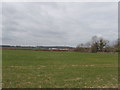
[[47, 69]]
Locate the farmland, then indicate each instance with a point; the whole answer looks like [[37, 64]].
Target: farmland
[[51, 69]]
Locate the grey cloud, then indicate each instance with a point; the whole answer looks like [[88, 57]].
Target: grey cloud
[[58, 23]]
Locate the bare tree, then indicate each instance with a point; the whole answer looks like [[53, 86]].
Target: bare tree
[[102, 44], [98, 44], [94, 44]]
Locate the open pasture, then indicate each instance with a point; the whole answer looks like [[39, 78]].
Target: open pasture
[[50, 69]]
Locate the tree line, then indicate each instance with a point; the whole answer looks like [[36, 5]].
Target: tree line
[[98, 44]]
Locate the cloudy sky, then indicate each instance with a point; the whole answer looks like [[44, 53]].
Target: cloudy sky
[[58, 23]]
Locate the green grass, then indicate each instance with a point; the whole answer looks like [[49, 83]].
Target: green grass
[[47, 69]]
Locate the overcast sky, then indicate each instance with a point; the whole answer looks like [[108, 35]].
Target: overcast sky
[[58, 23]]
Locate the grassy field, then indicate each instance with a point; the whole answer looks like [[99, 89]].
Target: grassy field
[[47, 69]]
